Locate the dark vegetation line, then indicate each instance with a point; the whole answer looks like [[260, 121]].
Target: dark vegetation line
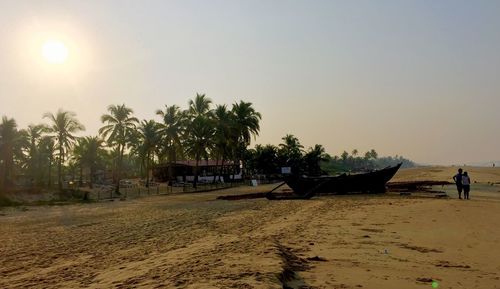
[[51, 155]]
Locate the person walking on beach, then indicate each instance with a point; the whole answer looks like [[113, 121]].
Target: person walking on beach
[[466, 185], [458, 181]]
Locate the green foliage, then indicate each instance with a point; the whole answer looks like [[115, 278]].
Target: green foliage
[[146, 140], [63, 125], [119, 129], [129, 148], [125, 147], [171, 131], [269, 159], [314, 161], [346, 163]]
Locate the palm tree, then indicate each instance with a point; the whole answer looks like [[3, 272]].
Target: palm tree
[[246, 124], [354, 159], [149, 139], [93, 156], [120, 126], [46, 149], [223, 128], [200, 106], [9, 137], [78, 155], [87, 154], [172, 130], [312, 159], [266, 159], [199, 132], [34, 135], [290, 152], [199, 140], [64, 125], [246, 121]]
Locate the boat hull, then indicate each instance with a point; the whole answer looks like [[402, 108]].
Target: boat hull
[[372, 182]]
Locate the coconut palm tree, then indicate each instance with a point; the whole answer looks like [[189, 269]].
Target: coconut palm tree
[[290, 152], [224, 127], [87, 153], [266, 159], [95, 150], [63, 125], [246, 124], [34, 135], [120, 126], [78, 157], [199, 131], [9, 137], [149, 138], [199, 141], [246, 121], [312, 159], [172, 130], [46, 150], [200, 106]]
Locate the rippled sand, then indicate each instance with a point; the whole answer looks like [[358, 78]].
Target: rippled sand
[[195, 241]]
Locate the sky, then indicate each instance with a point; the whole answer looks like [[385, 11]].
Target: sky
[[412, 78]]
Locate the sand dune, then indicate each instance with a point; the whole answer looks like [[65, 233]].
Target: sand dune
[[194, 241]]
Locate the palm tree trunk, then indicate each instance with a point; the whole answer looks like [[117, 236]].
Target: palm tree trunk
[[119, 169], [91, 178], [195, 181], [141, 168], [147, 168], [59, 168], [215, 171], [50, 172], [4, 176], [234, 170], [171, 160], [222, 166], [80, 182]]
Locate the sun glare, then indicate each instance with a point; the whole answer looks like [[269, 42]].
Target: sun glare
[[54, 51]]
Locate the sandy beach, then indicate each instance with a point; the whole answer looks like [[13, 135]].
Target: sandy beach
[[194, 241]]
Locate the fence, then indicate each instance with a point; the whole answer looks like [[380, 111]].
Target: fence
[[137, 191]]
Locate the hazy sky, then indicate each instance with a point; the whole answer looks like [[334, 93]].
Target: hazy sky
[[414, 78]]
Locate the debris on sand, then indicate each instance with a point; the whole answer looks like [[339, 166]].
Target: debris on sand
[[317, 259]]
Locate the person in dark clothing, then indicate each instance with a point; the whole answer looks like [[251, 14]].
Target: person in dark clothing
[[466, 185], [458, 181]]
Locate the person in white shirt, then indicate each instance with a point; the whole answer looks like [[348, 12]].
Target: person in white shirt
[[466, 185]]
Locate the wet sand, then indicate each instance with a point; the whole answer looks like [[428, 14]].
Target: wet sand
[[195, 241]]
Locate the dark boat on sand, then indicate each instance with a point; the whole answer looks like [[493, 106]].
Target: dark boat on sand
[[306, 187]]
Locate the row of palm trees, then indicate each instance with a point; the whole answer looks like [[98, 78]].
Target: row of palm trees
[[199, 132], [269, 159]]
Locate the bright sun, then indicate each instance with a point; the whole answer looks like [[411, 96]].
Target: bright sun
[[54, 51]]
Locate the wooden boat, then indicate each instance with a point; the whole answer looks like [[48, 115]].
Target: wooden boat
[[371, 182]]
